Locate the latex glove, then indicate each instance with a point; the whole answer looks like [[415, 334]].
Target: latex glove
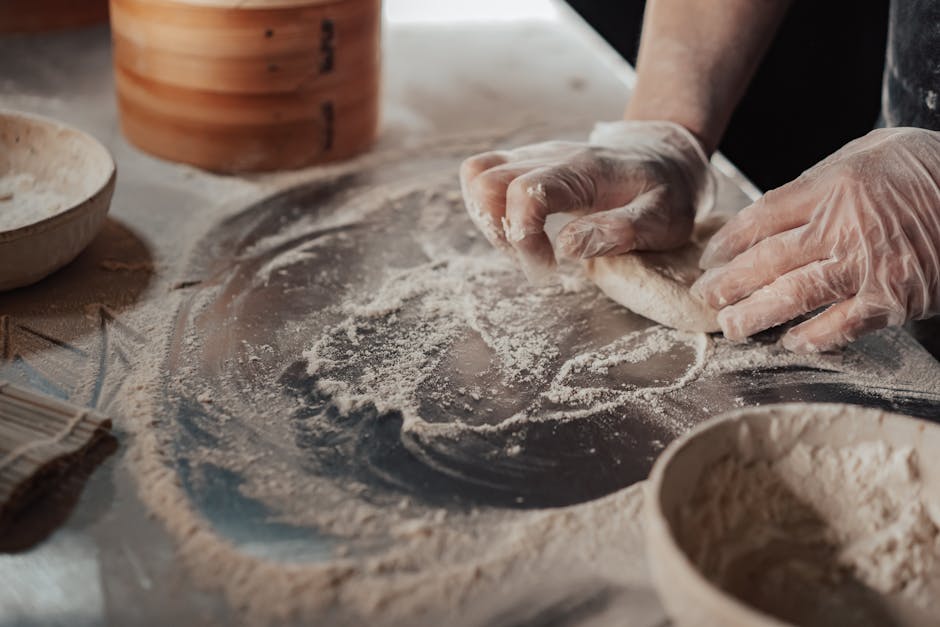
[[860, 231], [636, 186]]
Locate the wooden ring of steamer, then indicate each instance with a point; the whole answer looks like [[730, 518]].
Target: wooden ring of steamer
[[311, 68], [204, 107], [318, 30], [33, 16], [228, 133], [246, 89]]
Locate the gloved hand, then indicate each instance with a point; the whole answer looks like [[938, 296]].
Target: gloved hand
[[636, 186], [861, 229]]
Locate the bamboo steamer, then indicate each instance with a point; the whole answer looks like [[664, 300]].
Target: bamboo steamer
[[261, 86], [31, 16]]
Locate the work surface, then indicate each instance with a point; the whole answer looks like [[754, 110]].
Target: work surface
[[333, 401]]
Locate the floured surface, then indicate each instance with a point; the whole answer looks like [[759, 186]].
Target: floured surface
[[430, 422], [366, 415], [656, 284]]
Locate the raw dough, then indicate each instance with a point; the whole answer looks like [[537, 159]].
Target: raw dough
[[656, 284]]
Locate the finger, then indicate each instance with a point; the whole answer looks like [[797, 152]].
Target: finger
[[478, 164], [470, 169], [798, 292], [530, 198], [758, 266], [839, 325], [646, 223], [777, 211], [486, 201]]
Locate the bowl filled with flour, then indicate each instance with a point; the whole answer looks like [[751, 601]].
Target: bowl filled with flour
[[56, 184], [799, 514]]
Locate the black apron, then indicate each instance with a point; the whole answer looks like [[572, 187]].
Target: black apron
[[911, 91], [910, 94]]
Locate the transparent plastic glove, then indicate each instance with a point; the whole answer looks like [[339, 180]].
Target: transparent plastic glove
[[635, 186], [859, 231]]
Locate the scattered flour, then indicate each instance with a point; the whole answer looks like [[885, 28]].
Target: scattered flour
[[388, 351], [412, 344]]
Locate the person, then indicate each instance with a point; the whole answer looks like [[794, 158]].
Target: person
[[855, 237]]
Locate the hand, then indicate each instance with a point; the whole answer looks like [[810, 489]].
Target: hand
[[637, 186], [859, 231]]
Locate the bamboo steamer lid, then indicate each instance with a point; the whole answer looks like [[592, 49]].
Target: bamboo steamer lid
[[32, 16], [260, 86]]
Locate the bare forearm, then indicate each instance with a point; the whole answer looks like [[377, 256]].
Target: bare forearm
[[696, 59]]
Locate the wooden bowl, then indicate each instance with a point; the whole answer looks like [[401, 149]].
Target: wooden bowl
[[55, 184], [260, 86], [767, 434], [31, 16]]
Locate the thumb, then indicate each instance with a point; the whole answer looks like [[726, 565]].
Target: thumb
[[648, 222]]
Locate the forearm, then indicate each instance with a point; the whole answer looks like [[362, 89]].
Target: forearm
[[696, 59]]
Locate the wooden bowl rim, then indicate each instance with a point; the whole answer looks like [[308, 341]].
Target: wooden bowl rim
[[80, 203]]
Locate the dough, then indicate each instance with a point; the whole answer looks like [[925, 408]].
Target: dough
[[656, 284]]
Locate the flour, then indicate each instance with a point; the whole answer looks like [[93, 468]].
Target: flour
[[458, 334], [450, 302], [632, 349], [466, 320], [871, 496], [23, 201], [816, 519], [456, 345]]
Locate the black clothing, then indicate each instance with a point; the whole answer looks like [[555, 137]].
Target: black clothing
[[912, 65]]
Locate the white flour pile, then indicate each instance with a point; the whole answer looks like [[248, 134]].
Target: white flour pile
[[797, 535], [24, 201]]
